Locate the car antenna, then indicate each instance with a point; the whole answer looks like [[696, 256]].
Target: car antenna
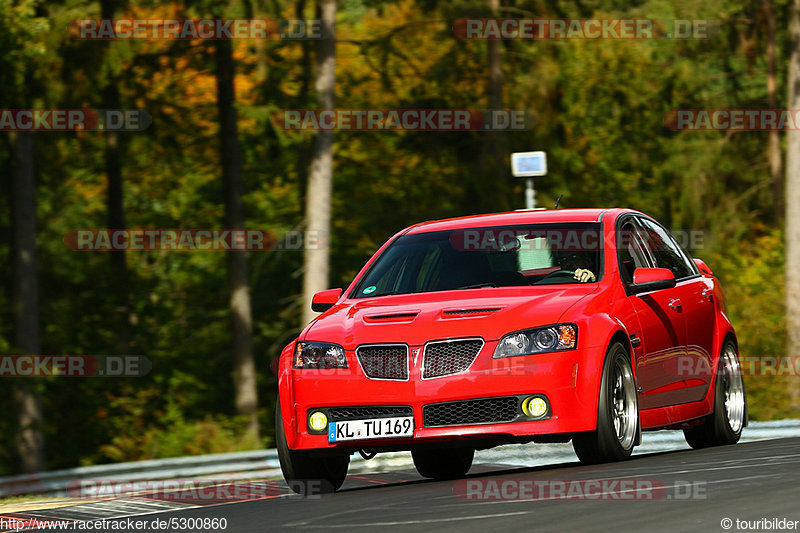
[[558, 201]]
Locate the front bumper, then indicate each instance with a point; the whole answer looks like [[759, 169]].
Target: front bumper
[[569, 381]]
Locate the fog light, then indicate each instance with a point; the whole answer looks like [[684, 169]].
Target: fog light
[[318, 421], [534, 407]]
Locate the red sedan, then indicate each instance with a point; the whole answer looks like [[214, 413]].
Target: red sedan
[[589, 325]]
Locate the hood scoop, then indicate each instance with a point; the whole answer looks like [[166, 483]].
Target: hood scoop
[[469, 312], [402, 316]]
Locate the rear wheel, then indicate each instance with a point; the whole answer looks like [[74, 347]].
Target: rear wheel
[[725, 424], [617, 413], [305, 473], [443, 463]]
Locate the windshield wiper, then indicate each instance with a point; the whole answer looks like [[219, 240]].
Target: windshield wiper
[[477, 286], [388, 293]]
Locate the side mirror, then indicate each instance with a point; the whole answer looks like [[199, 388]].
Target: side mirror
[[703, 267], [324, 300], [651, 279]]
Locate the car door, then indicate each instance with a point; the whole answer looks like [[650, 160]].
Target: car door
[[695, 304], [661, 331]]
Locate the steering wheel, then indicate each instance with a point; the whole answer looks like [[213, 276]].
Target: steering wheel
[[559, 272]]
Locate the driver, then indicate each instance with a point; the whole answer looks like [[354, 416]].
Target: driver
[[584, 275], [580, 263]]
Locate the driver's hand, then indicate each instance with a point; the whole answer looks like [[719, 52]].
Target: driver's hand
[[584, 275]]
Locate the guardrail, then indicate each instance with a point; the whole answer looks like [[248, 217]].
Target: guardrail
[[229, 466], [263, 464]]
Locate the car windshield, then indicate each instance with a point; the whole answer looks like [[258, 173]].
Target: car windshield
[[508, 256]]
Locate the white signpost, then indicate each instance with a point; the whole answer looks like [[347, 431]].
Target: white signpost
[[527, 165]]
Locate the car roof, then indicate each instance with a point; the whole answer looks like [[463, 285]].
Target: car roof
[[523, 216]]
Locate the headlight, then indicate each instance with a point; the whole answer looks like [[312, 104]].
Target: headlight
[[538, 340], [319, 355]]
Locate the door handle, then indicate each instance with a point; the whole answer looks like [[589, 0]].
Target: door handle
[[675, 304], [708, 293]]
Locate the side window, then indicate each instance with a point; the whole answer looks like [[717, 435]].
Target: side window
[[665, 250], [631, 252]]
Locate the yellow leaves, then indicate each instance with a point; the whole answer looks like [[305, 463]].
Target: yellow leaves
[[400, 48]]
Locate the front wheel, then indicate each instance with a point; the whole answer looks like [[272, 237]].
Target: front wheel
[[443, 463], [617, 413], [305, 473], [724, 426]]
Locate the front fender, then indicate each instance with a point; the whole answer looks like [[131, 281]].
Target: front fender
[[596, 333], [286, 394]]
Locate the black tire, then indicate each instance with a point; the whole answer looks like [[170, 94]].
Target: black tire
[[617, 401], [723, 426], [305, 473], [443, 463]]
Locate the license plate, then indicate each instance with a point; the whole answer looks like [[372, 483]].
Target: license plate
[[376, 428]]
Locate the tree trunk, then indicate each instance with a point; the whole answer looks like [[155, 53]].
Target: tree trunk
[[303, 155], [118, 292], [793, 204], [244, 368], [320, 179], [491, 194], [495, 65], [496, 93], [30, 439], [774, 140], [115, 206]]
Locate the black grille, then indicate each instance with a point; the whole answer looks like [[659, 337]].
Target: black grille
[[358, 413], [389, 361], [449, 357], [467, 412]]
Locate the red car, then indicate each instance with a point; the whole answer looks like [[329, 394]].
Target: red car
[[588, 325]]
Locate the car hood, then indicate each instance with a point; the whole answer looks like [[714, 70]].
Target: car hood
[[415, 319]]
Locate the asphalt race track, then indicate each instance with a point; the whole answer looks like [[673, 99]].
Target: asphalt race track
[[691, 490]]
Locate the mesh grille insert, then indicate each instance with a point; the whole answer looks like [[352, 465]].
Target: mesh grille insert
[[449, 357], [466, 412], [387, 361]]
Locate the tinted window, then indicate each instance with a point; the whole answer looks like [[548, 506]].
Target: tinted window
[[665, 250], [541, 254], [631, 252]]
